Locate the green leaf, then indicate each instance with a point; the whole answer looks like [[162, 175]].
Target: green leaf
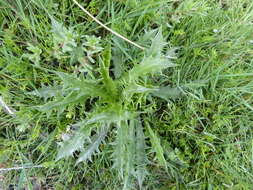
[[117, 60], [77, 55], [130, 89], [136, 88], [129, 153], [119, 155], [158, 44], [93, 147], [149, 65], [69, 147], [141, 158], [156, 147], [75, 90], [129, 165], [61, 103], [112, 115], [84, 86], [76, 141], [153, 63], [34, 56], [63, 37], [168, 93], [109, 84], [70, 81], [47, 92], [92, 46]]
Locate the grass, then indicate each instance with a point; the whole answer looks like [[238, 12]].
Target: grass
[[94, 112]]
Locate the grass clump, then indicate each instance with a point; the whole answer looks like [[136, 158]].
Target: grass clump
[[97, 113]]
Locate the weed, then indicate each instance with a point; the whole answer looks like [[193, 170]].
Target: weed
[[95, 112]]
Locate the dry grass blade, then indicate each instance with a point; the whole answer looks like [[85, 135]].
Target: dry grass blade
[[6, 107], [107, 28]]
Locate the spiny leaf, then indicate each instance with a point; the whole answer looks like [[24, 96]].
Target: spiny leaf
[[68, 79], [47, 92], [120, 148], [129, 168], [107, 117], [84, 86], [154, 62], [158, 44], [110, 116], [149, 65], [76, 90], [93, 147], [141, 158], [34, 56], [156, 146], [62, 103], [63, 36], [77, 55], [129, 153], [136, 88], [168, 93], [70, 146], [71, 81], [75, 142]]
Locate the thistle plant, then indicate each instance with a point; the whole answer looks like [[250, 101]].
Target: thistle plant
[[114, 111], [93, 103]]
